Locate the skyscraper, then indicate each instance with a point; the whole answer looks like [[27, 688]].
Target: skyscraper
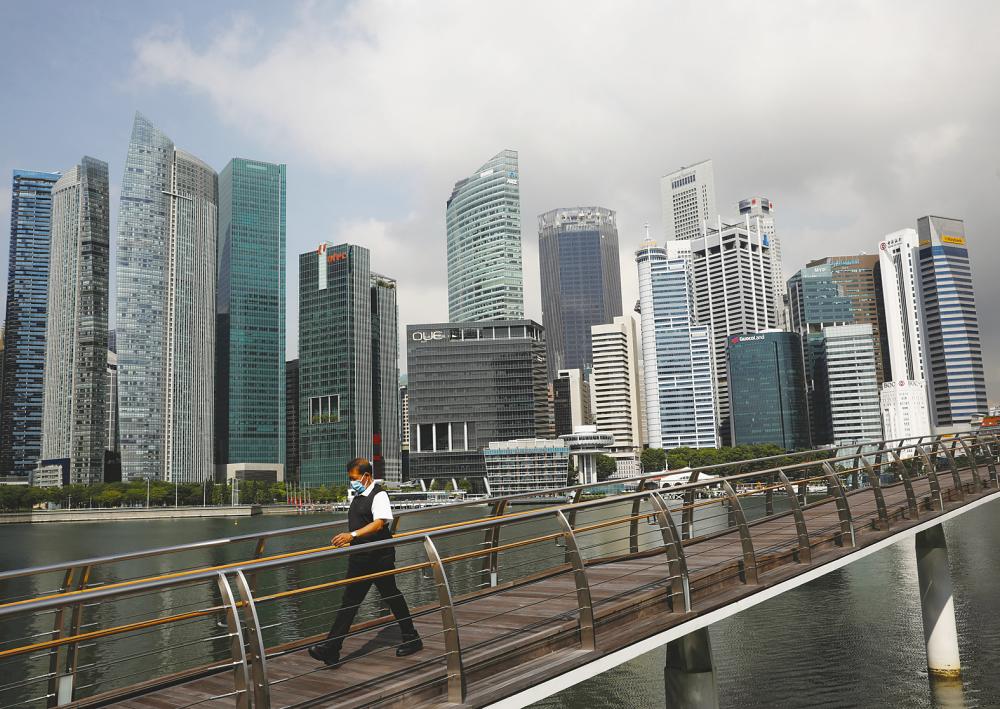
[[571, 401], [677, 359], [904, 392], [849, 359], [815, 301], [856, 277], [348, 368], [617, 385], [292, 420], [74, 420], [953, 354], [165, 324], [733, 294], [484, 243], [767, 390], [688, 200], [581, 281], [250, 312], [471, 384], [758, 213], [24, 334]]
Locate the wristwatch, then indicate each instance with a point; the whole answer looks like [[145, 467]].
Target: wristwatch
[[354, 535]]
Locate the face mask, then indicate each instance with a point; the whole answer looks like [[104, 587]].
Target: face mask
[[357, 486]]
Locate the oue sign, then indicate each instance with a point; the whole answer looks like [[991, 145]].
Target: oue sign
[[427, 336]]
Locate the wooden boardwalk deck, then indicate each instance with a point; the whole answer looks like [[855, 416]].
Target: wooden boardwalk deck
[[514, 637]]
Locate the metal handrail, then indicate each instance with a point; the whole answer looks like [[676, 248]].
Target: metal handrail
[[269, 534], [250, 659]]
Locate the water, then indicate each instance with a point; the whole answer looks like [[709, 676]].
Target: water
[[851, 638]]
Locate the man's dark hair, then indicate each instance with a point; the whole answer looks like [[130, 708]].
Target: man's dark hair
[[361, 465]]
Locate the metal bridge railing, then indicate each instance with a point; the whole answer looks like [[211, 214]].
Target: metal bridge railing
[[137, 635]]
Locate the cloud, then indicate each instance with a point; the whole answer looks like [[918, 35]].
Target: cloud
[[855, 118]]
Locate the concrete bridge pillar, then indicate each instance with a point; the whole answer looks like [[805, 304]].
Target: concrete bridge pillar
[[937, 605], [688, 676]]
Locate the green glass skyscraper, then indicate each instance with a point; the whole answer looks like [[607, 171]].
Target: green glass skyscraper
[[250, 316], [485, 280]]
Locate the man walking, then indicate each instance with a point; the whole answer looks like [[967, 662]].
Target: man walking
[[368, 520]]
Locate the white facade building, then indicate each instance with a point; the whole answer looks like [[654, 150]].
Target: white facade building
[[733, 293], [585, 444], [758, 215], [903, 398], [526, 465], [849, 352], [617, 386], [688, 199]]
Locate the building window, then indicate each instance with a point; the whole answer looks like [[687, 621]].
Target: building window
[[324, 409]]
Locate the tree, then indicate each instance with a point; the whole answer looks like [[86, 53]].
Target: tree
[[606, 467], [653, 460]]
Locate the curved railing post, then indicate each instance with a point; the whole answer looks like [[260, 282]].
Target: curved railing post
[[633, 526], [674, 549], [452, 645], [258, 655], [932, 476], [588, 640], [56, 681], [843, 508], [491, 560], [991, 465], [572, 522], [956, 477], [970, 455], [804, 548], [904, 475], [855, 481], [687, 514], [746, 542], [875, 482], [237, 647]]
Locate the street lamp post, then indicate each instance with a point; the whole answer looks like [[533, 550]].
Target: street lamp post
[[147, 492]]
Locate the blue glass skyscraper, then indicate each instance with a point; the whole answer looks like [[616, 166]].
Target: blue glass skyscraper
[[953, 353], [250, 372], [24, 336], [581, 281]]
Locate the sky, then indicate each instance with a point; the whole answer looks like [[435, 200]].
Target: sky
[[854, 118]]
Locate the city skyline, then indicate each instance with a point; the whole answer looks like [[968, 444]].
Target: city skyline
[[389, 198]]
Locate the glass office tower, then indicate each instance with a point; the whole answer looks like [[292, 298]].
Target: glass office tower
[[24, 335], [74, 420], [953, 352], [581, 281], [348, 366], [165, 327], [767, 390], [484, 243], [250, 351]]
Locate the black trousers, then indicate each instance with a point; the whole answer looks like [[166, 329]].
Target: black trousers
[[355, 593]]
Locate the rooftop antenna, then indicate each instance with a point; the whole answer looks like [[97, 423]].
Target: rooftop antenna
[[646, 225]]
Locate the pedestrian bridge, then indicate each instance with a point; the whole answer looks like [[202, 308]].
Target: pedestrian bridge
[[514, 602]]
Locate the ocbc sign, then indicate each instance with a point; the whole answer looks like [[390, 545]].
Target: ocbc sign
[[419, 336]]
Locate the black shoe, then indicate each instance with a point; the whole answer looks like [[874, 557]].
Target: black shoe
[[327, 657], [410, 646]]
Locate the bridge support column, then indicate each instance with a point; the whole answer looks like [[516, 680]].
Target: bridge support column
[[937, 605], [688, 676]]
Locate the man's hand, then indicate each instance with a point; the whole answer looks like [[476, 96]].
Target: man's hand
[[341, 540]]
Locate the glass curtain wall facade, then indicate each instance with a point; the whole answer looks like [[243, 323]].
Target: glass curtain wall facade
[[250, 312], [526, 465], [470, 384], [292, 420], [682, 361], [767, 390], [165, 325], [485, 280], [386, 443], [581, 281], [856, 277], [815, 301], [74, 420], [335, 362], [953, 353], [24, 334]]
